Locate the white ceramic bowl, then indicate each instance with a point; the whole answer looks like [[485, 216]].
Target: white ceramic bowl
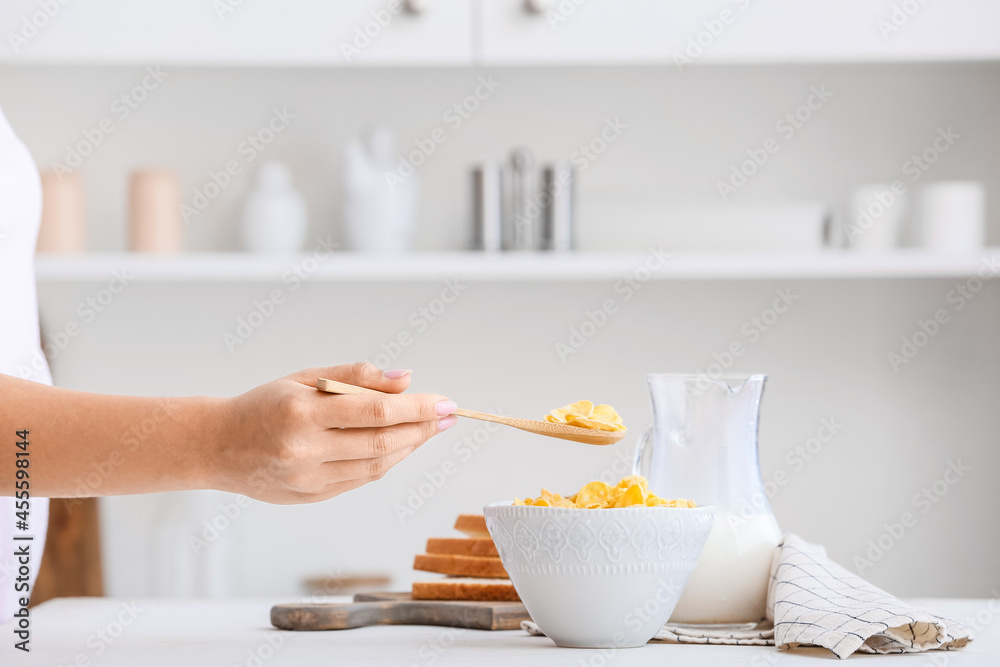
[[601, 578]]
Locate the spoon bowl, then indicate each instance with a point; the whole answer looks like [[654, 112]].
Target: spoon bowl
[[586, 436]]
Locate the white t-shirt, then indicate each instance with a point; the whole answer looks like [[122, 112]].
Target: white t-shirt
[[20, 344]]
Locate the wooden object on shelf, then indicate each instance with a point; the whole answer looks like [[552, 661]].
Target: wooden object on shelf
[[71, 564], [63, 227], [154, 211]]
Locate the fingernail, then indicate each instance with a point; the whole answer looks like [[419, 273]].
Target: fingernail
[[445, 408], [447, 423], [395, 375]]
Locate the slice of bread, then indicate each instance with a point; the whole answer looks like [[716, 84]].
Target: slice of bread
[[473, 525], [463, 588], [461, 566], [473, 546]]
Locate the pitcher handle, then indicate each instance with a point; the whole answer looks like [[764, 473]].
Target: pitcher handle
[[640, 450]]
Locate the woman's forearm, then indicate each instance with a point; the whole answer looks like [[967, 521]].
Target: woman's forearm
[[85, 444], [283, 442]]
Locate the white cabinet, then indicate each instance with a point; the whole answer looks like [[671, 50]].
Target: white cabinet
[[496, 32], [862, 30], [732, 31], [573, 32], [266, 32]]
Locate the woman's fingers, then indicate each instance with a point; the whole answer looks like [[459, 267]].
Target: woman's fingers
[[367, 469], [360, 374], [367, 411], [364, 455], [375, 443], [337, 488]]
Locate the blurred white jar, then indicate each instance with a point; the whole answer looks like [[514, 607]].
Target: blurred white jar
[[875, 216], [275, 218], [950, 216], [379, 203]]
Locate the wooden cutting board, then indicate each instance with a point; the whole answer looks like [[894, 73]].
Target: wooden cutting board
[[398, 609]]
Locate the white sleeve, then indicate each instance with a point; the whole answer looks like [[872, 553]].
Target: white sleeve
[[20, 351]]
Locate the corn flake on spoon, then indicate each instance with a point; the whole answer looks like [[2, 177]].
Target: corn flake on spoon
[[586, 436]]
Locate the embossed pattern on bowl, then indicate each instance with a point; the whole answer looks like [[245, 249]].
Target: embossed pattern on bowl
[[599, 578]]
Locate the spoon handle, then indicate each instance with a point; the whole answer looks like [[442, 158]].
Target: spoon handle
[[334, 387], [482, 416]]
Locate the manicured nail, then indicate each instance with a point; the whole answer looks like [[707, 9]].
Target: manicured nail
[[447, 423], [395, 375], [445, 408]]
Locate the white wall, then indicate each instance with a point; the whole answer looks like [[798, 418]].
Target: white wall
[[827, 357], [494, 349]]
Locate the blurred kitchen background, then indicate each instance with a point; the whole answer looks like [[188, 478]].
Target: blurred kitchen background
[[741, 138]]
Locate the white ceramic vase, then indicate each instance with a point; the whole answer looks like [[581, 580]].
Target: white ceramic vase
[[274, 218], [379, 205]]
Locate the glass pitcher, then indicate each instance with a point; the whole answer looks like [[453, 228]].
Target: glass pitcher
[[704, 447]]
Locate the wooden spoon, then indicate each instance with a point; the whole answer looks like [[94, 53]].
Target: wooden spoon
[[563, 431]]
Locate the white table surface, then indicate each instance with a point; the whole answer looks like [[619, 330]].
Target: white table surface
[[226, 633]]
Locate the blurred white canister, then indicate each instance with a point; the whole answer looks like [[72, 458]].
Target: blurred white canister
[[875, 216], [950, 216], [275, 218], [379, 196]]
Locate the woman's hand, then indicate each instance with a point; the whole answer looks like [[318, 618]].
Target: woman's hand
[[288, 442]]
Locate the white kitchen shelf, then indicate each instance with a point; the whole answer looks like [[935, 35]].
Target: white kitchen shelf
[[344, 267]]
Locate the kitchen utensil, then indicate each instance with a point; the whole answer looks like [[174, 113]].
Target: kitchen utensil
[[487, 209], [875, 217], [154, 211], [950, 216], [703, 446], [557, 199], [599, 578], [398, 609], [63, 228], [274, 217], [563, 431], [522, 223]]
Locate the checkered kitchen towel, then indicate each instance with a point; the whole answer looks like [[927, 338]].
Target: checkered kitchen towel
[[812, 601]]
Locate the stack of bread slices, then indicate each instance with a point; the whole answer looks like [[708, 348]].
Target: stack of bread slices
[[473, 567]]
